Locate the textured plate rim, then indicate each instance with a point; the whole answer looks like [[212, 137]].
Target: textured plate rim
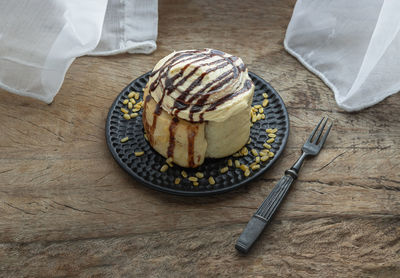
[[203, 192]]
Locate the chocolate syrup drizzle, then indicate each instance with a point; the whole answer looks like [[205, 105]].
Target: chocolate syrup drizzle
[[197, 100]]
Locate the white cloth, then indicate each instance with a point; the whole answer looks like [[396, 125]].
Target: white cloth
[[353, 46], [39, 39]]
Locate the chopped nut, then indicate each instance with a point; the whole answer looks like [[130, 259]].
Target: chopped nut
[[200, 175], [237, 163], [125, 101], [127, 117], [123, 110], [265, 102], [224, 170], [257, 160], [131, 94], [267, 146], [244, 151], [271, 154], [264, 158], [193, 179], [270, 140], [272, 135], [211, 180], [130, 105], [184, 174], [254, 152], [169, 162], [230, 163], [177, 181], [244, 167], [123, 140], [140, 153], [257, 106], [255, 167], [247, 173], [195, 183], [265, 95], [164, 168], [134, 115]]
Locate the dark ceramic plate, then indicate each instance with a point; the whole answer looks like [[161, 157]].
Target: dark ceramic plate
[[146, 168]]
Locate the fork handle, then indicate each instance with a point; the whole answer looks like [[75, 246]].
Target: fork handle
[[264, 213]]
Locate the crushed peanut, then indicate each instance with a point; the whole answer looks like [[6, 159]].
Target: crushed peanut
[[244, 151], [224, 170], [255, 167], [169, 162], [177, 181], [193, 179], [125, 101], [265, 102], [123, 110], [247, 173], [237, 163], [264, 158], [127, 117], [184, 174], [265, 95], [211, 180], [134, 115], [244, 167], [254, 152], [257, 160], [271, 140], [272, 135], [230, 163], [139, 153], [195, 183], [267, 146], [131, 94], [123, 140], [164, 168], [200, 175]]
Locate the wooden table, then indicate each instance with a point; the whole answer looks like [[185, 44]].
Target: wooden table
[[68, 209]]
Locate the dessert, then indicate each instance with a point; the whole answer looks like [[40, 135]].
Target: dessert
[[197, 104]]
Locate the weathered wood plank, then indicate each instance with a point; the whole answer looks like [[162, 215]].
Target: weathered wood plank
[[67, 209]]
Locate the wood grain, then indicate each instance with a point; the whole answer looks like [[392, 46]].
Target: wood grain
[[68, 210]]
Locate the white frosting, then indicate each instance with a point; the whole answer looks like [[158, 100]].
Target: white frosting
[[195, 74]]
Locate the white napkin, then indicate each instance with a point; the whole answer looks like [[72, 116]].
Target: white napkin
[[39, 39], [353, 46]]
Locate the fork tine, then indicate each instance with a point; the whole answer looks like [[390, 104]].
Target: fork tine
[[315, 129], [320, 131], [321, 143]]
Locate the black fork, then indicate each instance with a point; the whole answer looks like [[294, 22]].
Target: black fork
[[267, 209]]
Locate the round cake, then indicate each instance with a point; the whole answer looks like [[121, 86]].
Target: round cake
[[197, 104]]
